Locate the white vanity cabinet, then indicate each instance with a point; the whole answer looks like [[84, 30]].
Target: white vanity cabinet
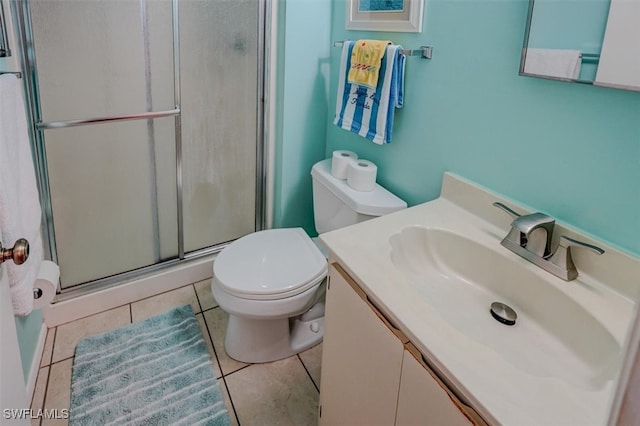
[[361, 359], [424, 400], [371, 373]]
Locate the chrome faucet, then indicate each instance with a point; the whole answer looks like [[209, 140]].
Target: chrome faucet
[[538, 251], [562, 259], [522, 229]]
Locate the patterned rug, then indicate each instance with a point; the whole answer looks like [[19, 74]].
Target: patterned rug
[[154, 372]]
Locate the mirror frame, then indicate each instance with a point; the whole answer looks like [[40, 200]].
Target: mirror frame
[[525, 45]]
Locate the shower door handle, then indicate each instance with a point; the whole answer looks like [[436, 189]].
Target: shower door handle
[[19, 253]]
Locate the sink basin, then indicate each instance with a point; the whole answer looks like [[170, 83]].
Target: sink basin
[[459, 278]]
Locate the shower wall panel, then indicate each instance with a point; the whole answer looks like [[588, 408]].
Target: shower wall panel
[[219, 74], [102, 206]]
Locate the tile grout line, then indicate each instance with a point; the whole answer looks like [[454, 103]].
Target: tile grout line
[[96, 313], [233, 407], [124, 304], [308, 373], [215, 353], [50, 365], [62, 360], [210, 309], [199, 303], [239, 369], [46, 390], [53, 344], [54, 332]]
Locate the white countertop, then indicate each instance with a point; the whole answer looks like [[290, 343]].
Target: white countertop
[[498, 390]]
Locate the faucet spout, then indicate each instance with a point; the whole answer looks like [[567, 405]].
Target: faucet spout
[[527, 224], [524, 241]]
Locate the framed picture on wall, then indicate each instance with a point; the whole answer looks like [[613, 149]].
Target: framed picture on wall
[[385, 15]]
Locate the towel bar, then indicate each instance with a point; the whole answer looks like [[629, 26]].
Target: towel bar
[[424, 52]]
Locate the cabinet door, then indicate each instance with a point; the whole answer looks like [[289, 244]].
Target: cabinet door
[[424, 400], [361, 359]]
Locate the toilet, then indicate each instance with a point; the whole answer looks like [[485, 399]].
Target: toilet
[[272, 282]]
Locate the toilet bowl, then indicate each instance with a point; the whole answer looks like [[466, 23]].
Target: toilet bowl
[[272, 283], [266, 281]]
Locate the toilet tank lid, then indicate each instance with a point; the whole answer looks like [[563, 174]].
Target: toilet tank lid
[[374, 203]]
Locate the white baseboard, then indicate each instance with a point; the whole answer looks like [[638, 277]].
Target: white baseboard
[[70, 310], [35, 363]]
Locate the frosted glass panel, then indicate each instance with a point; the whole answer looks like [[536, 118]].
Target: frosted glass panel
[[218, 59], [102, 193], [113, 186], [93, 59]]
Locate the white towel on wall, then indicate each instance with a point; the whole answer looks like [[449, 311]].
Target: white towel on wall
[[20, 213], [559, 63]]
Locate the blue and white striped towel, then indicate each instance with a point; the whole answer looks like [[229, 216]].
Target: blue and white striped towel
[[369, 112]]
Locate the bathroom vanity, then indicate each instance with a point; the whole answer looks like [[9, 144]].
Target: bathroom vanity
[[372, 374], [409, 338]]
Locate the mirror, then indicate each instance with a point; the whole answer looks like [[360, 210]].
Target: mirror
[[583, 41]]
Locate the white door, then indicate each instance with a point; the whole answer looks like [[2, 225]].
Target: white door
[[13, 394]]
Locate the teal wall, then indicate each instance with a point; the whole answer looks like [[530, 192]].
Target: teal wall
[[28, 329], [303, 74], [569, 150]]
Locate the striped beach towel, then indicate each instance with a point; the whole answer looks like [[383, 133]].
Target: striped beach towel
[[365, 111]]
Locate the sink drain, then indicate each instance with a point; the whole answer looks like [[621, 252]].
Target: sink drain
[[503, 313]]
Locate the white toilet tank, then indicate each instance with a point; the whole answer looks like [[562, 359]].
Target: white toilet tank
[[336, 204]]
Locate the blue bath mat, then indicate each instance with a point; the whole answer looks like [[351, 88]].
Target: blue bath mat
[[154, 372]]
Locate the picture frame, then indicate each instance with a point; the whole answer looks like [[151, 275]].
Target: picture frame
[[385, 15]]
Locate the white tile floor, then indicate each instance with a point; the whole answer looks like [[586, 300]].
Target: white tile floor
[[283, 392]]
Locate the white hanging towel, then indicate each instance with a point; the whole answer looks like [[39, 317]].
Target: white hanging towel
[[367, 111], [20, 213], [559, 63]]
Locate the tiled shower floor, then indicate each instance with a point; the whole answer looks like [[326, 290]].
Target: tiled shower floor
[[283, 392]]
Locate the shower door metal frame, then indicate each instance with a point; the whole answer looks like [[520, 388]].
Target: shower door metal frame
[[37, 128]]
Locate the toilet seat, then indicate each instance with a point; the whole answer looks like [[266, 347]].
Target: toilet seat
[[269, 265]]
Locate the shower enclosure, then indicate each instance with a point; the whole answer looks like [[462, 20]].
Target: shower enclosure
[[147, 120]]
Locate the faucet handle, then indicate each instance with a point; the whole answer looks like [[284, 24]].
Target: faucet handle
[[514, 235], [562, 256], [570, 242], [506, 209]]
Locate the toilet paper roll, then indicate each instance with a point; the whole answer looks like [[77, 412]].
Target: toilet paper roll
[[46, 284], [361, 175], [340, 163]]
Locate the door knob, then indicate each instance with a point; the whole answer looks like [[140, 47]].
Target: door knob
[[19, 253]]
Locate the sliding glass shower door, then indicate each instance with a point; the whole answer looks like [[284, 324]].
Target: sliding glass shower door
[[147, 116], [219, 73]]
